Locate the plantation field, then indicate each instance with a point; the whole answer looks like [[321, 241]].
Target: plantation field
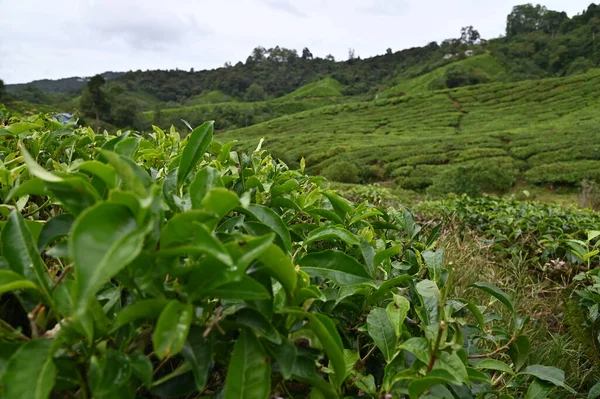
[[190, 269], [541, 132]]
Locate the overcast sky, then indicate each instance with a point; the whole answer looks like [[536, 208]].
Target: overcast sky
[[63, 38]]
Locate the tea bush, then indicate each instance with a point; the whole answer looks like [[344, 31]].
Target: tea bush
[[149, 266], [343, 172]]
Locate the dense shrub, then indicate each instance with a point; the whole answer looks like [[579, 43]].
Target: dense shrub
[[343, 172], [462, 75], [474, 179]]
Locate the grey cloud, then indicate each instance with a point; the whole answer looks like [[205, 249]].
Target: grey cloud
[[285, 6]]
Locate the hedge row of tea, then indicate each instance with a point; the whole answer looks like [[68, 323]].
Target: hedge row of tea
[[150, 266], [543, 132]]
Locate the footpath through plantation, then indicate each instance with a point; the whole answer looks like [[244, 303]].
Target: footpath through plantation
[[147, 265]]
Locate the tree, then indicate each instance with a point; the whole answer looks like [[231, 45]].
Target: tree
[[2, 90], [524, 19], [351, 54], [330, 57], [93, 99], [255, 93], [124, 111], [227, 65], [306, 54], [258, 54], [388, 51], [469, 35]]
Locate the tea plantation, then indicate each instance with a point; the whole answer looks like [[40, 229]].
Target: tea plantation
[[541, 132], [146, 265]]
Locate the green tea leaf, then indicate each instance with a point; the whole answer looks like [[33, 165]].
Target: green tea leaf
[[133, 177], [519, 351], [268, 217], [497, 293], [198, 141], [104, 240], [328, 232], [397, 311], [11, 281], [106, 173], [539, 390], [206, 179], [143, 309], [433, 378], [327, 334], [249, 373], [419, 347], [550, 374], [247, 289], [492, 364], [108, 375], [337, 267], [57, 227], [381, 330], [30, 372], [220, 201], [279, 265], [172, 329], [21, 253], [198, 352], [255, 320], [141, 366], [33, 186], [285, 355]]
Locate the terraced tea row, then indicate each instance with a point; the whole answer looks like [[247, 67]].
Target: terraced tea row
[[543, 132]]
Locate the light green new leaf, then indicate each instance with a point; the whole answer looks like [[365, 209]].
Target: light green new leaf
[[20, 251], [133, 177], [397, 311], [30, 372], [280, 266], [550, 374], [35, 169], [497, 293], [337, 267], [249, 373], [205, 180], [11, 281], [105, 172], [220, 201], [144, 309], [104, 240], [198, 141], [492, 364], [381, 330], [172, 329]]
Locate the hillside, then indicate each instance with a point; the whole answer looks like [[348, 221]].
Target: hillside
[[543, 132]]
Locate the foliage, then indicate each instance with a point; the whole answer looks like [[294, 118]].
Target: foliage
[[343, 172], [459, 75], [541, 232], [150, 265], [255, 92], [474, 179]]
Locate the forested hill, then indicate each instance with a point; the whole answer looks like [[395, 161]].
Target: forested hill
[[538, 43]]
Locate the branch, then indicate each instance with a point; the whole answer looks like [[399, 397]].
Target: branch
[[436, 347], [364, 359], [500, 349], [62, 276]]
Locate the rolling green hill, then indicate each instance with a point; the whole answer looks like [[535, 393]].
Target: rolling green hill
[[327, 87], [486, 64], [543, 132]]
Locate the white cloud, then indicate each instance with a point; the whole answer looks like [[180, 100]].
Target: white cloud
[[62, 38]]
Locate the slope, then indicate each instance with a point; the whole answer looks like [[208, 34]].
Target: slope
[[542, 131], [486, 64]]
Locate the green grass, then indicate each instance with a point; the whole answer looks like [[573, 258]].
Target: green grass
[[484, 62], [545, 129], [327, 87]]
